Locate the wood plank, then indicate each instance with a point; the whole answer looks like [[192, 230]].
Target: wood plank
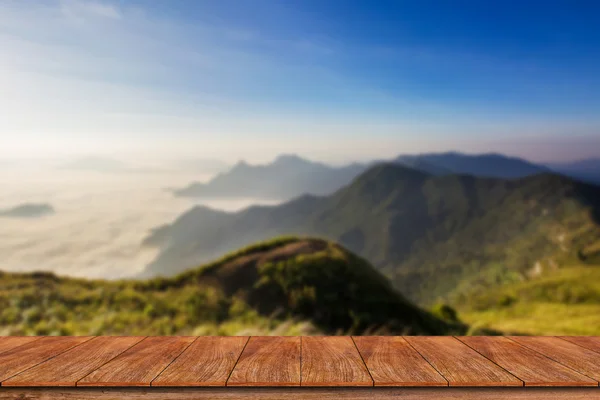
[[10, 342], [69, 367], [531, 367], [268, 361], [391, 361], [573, 356], [139, 365], [304, 393], [459, 364], [332, 361], [589, 342], [28, 355], [207, 362]]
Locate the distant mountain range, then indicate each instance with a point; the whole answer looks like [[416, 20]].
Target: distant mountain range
[[28, 210], [585, 170], [483, 165], [432, 235], [290, 176], [287, 177]]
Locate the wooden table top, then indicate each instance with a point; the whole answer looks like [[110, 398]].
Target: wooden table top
[[326, 361]]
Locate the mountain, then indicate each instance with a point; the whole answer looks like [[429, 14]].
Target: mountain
[[433, 236], [586, 170], [287, 177], [484, 165], [290, 176], [416, 162], [28, 210], [284, 286]]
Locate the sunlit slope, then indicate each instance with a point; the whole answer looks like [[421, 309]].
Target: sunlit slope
[[285, 286], [565, 301]]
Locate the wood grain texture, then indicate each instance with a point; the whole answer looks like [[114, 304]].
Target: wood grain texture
[[207, 362], [69, 367], [356, 393], [588, 342], [139, 365], [332, 361], [391, 361], [459, 364], [268, 361], [573, 356], [28, 355], [10, 342], [531, 367]]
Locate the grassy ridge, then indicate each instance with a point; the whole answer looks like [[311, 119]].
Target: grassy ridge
[[284, 286]]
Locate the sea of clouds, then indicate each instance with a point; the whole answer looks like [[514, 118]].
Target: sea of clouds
[[100, 220]]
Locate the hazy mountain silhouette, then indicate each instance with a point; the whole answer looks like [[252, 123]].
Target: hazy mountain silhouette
[[286, 177], [490, 165], [585, 170], [290, 176]]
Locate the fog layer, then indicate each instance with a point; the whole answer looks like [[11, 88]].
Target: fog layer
[[99, 222]]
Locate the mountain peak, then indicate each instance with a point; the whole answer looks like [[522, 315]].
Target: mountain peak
[[291, 159], [379, 181], [391, 171]]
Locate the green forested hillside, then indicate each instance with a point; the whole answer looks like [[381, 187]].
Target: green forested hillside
[[436, 237], [285, 286]]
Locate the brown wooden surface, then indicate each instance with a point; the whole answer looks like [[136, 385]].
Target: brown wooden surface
[[302, 393], [588, 342], [69, 367], [332, 361], [459, 364], [339, 361], [28, 355], [391, 361], [531, 367], [139, 365], [207, 362], [10, 342], [573, 356], [268, 361]]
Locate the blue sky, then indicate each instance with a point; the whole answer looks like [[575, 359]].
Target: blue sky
[[332, 80]]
